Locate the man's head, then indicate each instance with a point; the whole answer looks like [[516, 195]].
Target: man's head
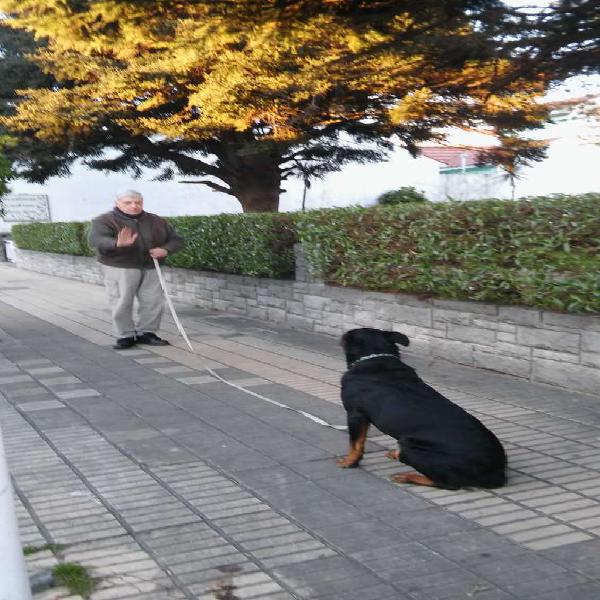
[[130, 202]]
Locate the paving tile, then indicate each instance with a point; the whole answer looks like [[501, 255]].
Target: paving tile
[[54, 381], [6, 379], [81, 393]]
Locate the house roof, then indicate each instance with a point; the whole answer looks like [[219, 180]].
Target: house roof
[[453, 156]]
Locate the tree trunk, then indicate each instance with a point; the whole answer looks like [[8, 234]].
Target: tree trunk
[[253, 173]]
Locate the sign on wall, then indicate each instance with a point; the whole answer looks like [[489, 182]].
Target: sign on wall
[[23, 208]]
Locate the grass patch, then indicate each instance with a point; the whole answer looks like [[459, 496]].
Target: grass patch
[[75, 578], [54, 548]]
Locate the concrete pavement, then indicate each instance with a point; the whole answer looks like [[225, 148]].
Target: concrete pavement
[[167, 483]]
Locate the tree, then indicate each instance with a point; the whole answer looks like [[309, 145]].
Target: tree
[[246, 94], [563, 40], [16, 71]]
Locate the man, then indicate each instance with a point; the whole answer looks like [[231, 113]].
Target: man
[[126, 240]]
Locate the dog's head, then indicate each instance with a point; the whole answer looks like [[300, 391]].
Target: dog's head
[[365, 341]]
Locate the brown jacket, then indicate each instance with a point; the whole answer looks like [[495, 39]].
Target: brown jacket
[[153, 232]]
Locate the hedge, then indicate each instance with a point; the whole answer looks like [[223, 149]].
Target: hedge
[[255, 245], [61, 238], [541, 252], [259, 245]]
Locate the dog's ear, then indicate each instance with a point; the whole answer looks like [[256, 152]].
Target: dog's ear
[[397, 338]]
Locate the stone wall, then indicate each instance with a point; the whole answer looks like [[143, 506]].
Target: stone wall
[[542, 346]]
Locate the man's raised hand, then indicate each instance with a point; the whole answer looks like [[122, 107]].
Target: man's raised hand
[[126, 237]]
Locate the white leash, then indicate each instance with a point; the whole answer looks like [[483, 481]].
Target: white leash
[[163, 285], [314, 418]]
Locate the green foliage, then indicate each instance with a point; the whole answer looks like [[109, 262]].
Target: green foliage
[[61, 238], [75, 578], [542, 252], [260, 245], [5, 167], [5, 174], [401, 195]]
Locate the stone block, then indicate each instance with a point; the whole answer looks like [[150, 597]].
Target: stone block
[[317, 315], [341, 307], [548, 340], [518, 367], [298, 322], [328, 330], [316, 302], [213, 283], [221, 304], [583, 322], [471, 334], [412, 315], [271, 301], [413, 331], [440, 326], [495, 325], [276, 315], [510, 338], [350, 295], [590, 359], [255, 312], [348, 323], [520, 315], [557, 356], [421, 346], [369, 300], [458, 352], [480, 308], [365, 318], [294, 307], [508, 349], [282, 290], [443, 315], [590, 341], [574, 377], [248, 291], [332, 318], [240, 302]]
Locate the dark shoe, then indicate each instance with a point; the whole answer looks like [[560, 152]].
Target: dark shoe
[[123, 343], [151, 339]]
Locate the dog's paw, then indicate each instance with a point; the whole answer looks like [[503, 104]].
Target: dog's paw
[[344, 463], [393, 454], [412, 477]]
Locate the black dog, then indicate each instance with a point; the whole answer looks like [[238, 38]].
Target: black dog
[[449, 447]]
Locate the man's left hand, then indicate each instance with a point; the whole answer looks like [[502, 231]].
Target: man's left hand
[[158, 252]]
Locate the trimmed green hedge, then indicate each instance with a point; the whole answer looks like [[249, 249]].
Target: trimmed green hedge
[[61, 238], [259, 245], [542, 252]]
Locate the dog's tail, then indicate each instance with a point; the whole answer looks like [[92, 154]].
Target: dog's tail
[[398, 338]]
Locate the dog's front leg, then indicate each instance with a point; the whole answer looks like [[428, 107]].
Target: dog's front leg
[[357, 429]]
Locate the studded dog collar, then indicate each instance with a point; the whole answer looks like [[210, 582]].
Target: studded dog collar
[[369, 356]]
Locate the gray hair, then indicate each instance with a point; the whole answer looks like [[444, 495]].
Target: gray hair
[[129, 194]]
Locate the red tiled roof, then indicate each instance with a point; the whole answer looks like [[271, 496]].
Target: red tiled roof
[[452, 156]]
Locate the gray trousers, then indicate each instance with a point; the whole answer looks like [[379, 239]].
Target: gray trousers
[[123, 287]]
